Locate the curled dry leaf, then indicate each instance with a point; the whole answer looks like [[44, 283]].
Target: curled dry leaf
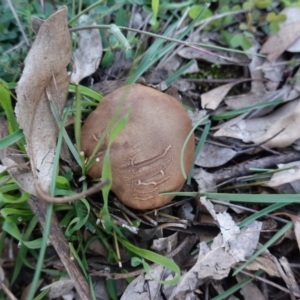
[[281, 41], [290, 173], [165, 244], [279, 129], [88, 54], [45, 75]]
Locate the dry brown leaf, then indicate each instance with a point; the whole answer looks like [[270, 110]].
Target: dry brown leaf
[[45, 75], [213, 98], [264, 262], [287, 124], [281, 127], [212, 156], [88, 54], [279, 42], [252, 98]]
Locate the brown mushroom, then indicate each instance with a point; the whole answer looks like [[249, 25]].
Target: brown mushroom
[[145, 157]]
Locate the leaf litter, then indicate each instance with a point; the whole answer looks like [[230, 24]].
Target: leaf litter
[[262, 130]]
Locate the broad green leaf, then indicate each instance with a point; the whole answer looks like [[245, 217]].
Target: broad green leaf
[[196, 9], [262, 4]]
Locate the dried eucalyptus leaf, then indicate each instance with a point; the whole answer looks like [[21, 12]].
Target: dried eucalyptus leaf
[[44, 78], [88, 54]]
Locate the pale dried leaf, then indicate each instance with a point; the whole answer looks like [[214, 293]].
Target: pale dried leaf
[[88, 54], [286, 120], [286, 123], [237, 244], [44, 75], [172, 64], [281, 41], [289, 277], [297, 81], [252, 98], [250, 291], [221, 58], [138, 290], [165, 244], [185, 212], [274, 71], [214, 97], [231, 246], [22, 176], [2, 275], [292, 16], [196, 115], [285, 176], [2, 168], [183, 85], [212, 156], [59, 288], [205, 180]]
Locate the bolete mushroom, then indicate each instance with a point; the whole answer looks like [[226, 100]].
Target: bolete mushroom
[[145, 156]]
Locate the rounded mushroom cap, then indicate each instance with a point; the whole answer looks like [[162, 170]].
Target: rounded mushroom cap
[[145, 157]]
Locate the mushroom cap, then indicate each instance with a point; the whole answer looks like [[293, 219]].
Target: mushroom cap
[[145, 156]]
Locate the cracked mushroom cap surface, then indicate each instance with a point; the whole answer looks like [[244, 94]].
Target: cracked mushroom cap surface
[[145, 156]]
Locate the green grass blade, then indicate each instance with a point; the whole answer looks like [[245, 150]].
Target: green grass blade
[[155, 258], [261, 198], [11, 139], [185, 144], [199, 148], [40, 261], [269, 243], [5, 101], [83, 90], [78, 116], [234, 113], [261, 213], [179, 72], [237, 287]]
